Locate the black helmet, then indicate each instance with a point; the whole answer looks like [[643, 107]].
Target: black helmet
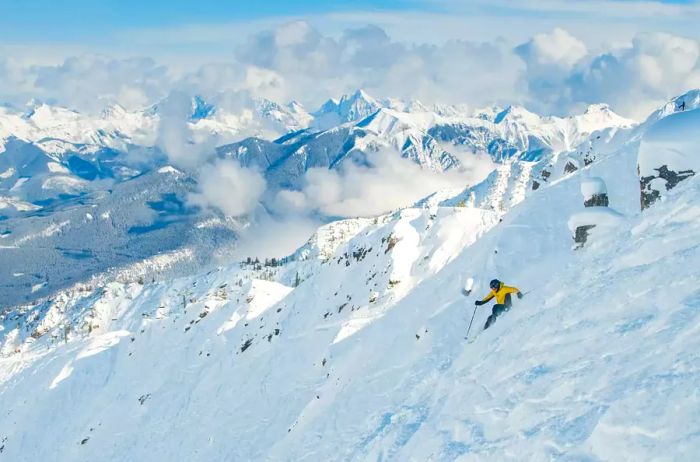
[[495, 284]]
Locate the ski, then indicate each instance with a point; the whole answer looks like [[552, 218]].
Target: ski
[[473, 339]]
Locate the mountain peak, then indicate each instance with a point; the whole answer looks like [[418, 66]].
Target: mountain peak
[[359, 99], [113, 109], [600, 113], [350, 108], [296, 107], [200, 108], [597, 107], [687, 101], [518, 113]]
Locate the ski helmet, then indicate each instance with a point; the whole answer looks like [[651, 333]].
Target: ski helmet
[[495, 284]]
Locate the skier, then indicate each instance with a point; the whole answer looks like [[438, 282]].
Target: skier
[[503, 303]]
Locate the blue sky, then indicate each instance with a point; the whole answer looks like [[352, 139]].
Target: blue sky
[[103, 21], [74, 19], [634, 54]]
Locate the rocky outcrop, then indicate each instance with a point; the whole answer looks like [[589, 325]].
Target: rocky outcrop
[[668, 155], [596, 213], [651, 192], [570, 167], [597, 200], [581, 235]]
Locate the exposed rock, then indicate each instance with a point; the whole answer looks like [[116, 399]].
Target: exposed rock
[[668, 154], [581, 235], [597, 200], [596, 212], [650, 194], [570, 167], [246, 344]]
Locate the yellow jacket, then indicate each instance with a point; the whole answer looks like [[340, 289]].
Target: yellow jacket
[[501, 293]]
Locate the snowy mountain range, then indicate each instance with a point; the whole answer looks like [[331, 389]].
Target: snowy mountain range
[[353, 347], [67, 177]]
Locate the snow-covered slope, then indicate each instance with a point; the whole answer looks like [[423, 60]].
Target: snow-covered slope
[[438, 141], [131, 228], [227, 117], [669, 154], [57, 165], [365, 358], [348, 108]]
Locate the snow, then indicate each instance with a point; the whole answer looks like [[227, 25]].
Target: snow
[[18, 184], [7, 173], [582, 367], [262, 295], [64, 374], [593, 186], [354, 349], [597, 116], [469, 284], [69, 160], [65, 184], [58, 129], [55, 167], [169, 169], [673, 141], [49, 231], [13, 202], [598, 216]]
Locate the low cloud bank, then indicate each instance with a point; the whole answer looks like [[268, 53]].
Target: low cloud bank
[[553, 72], [280, 221], [228, 187], [389, 183]]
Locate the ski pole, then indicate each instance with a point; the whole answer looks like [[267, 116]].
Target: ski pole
[[470, 322]]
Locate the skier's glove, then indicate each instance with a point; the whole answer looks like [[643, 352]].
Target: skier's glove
[[479, 302], [520, 295], [466, 292]]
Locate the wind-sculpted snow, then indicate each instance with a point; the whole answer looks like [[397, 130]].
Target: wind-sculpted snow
[[668, 154], [364, 358]]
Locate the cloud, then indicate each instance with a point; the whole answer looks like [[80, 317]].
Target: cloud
[[634, 80], [388, 183], [312, 67], [555, 51], [269, 236], [228, 187], [175, 136], [549, 58], [552, 71], [88, 82]]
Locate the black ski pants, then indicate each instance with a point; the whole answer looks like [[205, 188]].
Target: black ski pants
[[497, 310]]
